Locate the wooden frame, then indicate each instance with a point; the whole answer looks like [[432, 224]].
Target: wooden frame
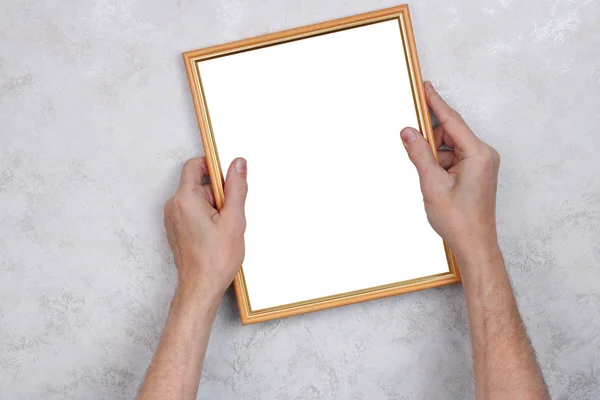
[[400, 13]]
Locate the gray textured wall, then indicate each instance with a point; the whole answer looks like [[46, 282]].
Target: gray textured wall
[[96, 120]]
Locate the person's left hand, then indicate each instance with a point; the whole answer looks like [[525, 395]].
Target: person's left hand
[[207, 244]]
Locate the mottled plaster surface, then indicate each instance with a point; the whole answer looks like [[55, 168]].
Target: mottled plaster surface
[[96, 121]]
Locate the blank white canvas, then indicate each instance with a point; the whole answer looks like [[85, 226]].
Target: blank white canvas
[[334, 203]]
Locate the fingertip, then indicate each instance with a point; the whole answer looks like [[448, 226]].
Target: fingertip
[[408, 135], [236, 177], [240, 165], [236, 189]]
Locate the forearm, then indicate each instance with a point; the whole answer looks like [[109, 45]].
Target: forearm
[[175, 369], [505, 365]]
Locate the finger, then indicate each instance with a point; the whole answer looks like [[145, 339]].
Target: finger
[[419, 152], [192, 173], [463, 138], [441, 137], [236, 189], [446, 158], [207, 192]]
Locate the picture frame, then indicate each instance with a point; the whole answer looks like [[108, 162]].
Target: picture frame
[[193, 60]]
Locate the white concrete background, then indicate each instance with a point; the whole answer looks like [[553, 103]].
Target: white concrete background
[[96, 120]]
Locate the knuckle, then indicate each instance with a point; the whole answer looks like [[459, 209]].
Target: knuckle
[[495, 156], [490, 153], [179, 202], [188, 164], [490, 157], [168, 207], [192, 165], [418, 156], [454, 115]]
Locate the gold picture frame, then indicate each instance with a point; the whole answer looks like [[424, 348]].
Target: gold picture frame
[[402, 15]]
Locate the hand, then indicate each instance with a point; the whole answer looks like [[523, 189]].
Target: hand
[[207, 244], [460, 192], [460, 200]]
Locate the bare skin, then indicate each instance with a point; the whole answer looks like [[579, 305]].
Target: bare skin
[[208, 248], [460, 200]]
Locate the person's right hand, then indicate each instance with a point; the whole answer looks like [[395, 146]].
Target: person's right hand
[[207, 244], [459, 192]]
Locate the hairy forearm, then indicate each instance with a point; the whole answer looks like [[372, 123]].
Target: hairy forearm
[[175, 369], [505, 365]]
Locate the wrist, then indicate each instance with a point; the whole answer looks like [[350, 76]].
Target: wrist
[[475, 243], [476, 251], [477, 254], [198, 294], [194, 282]]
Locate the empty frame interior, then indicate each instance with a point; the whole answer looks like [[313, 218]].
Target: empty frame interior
[[334, 207]]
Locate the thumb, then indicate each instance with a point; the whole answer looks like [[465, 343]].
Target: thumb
[[236, 188], [419, 152]]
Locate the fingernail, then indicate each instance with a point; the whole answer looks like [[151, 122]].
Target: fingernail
[[408, 135], [429, 86], [240, 165]]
